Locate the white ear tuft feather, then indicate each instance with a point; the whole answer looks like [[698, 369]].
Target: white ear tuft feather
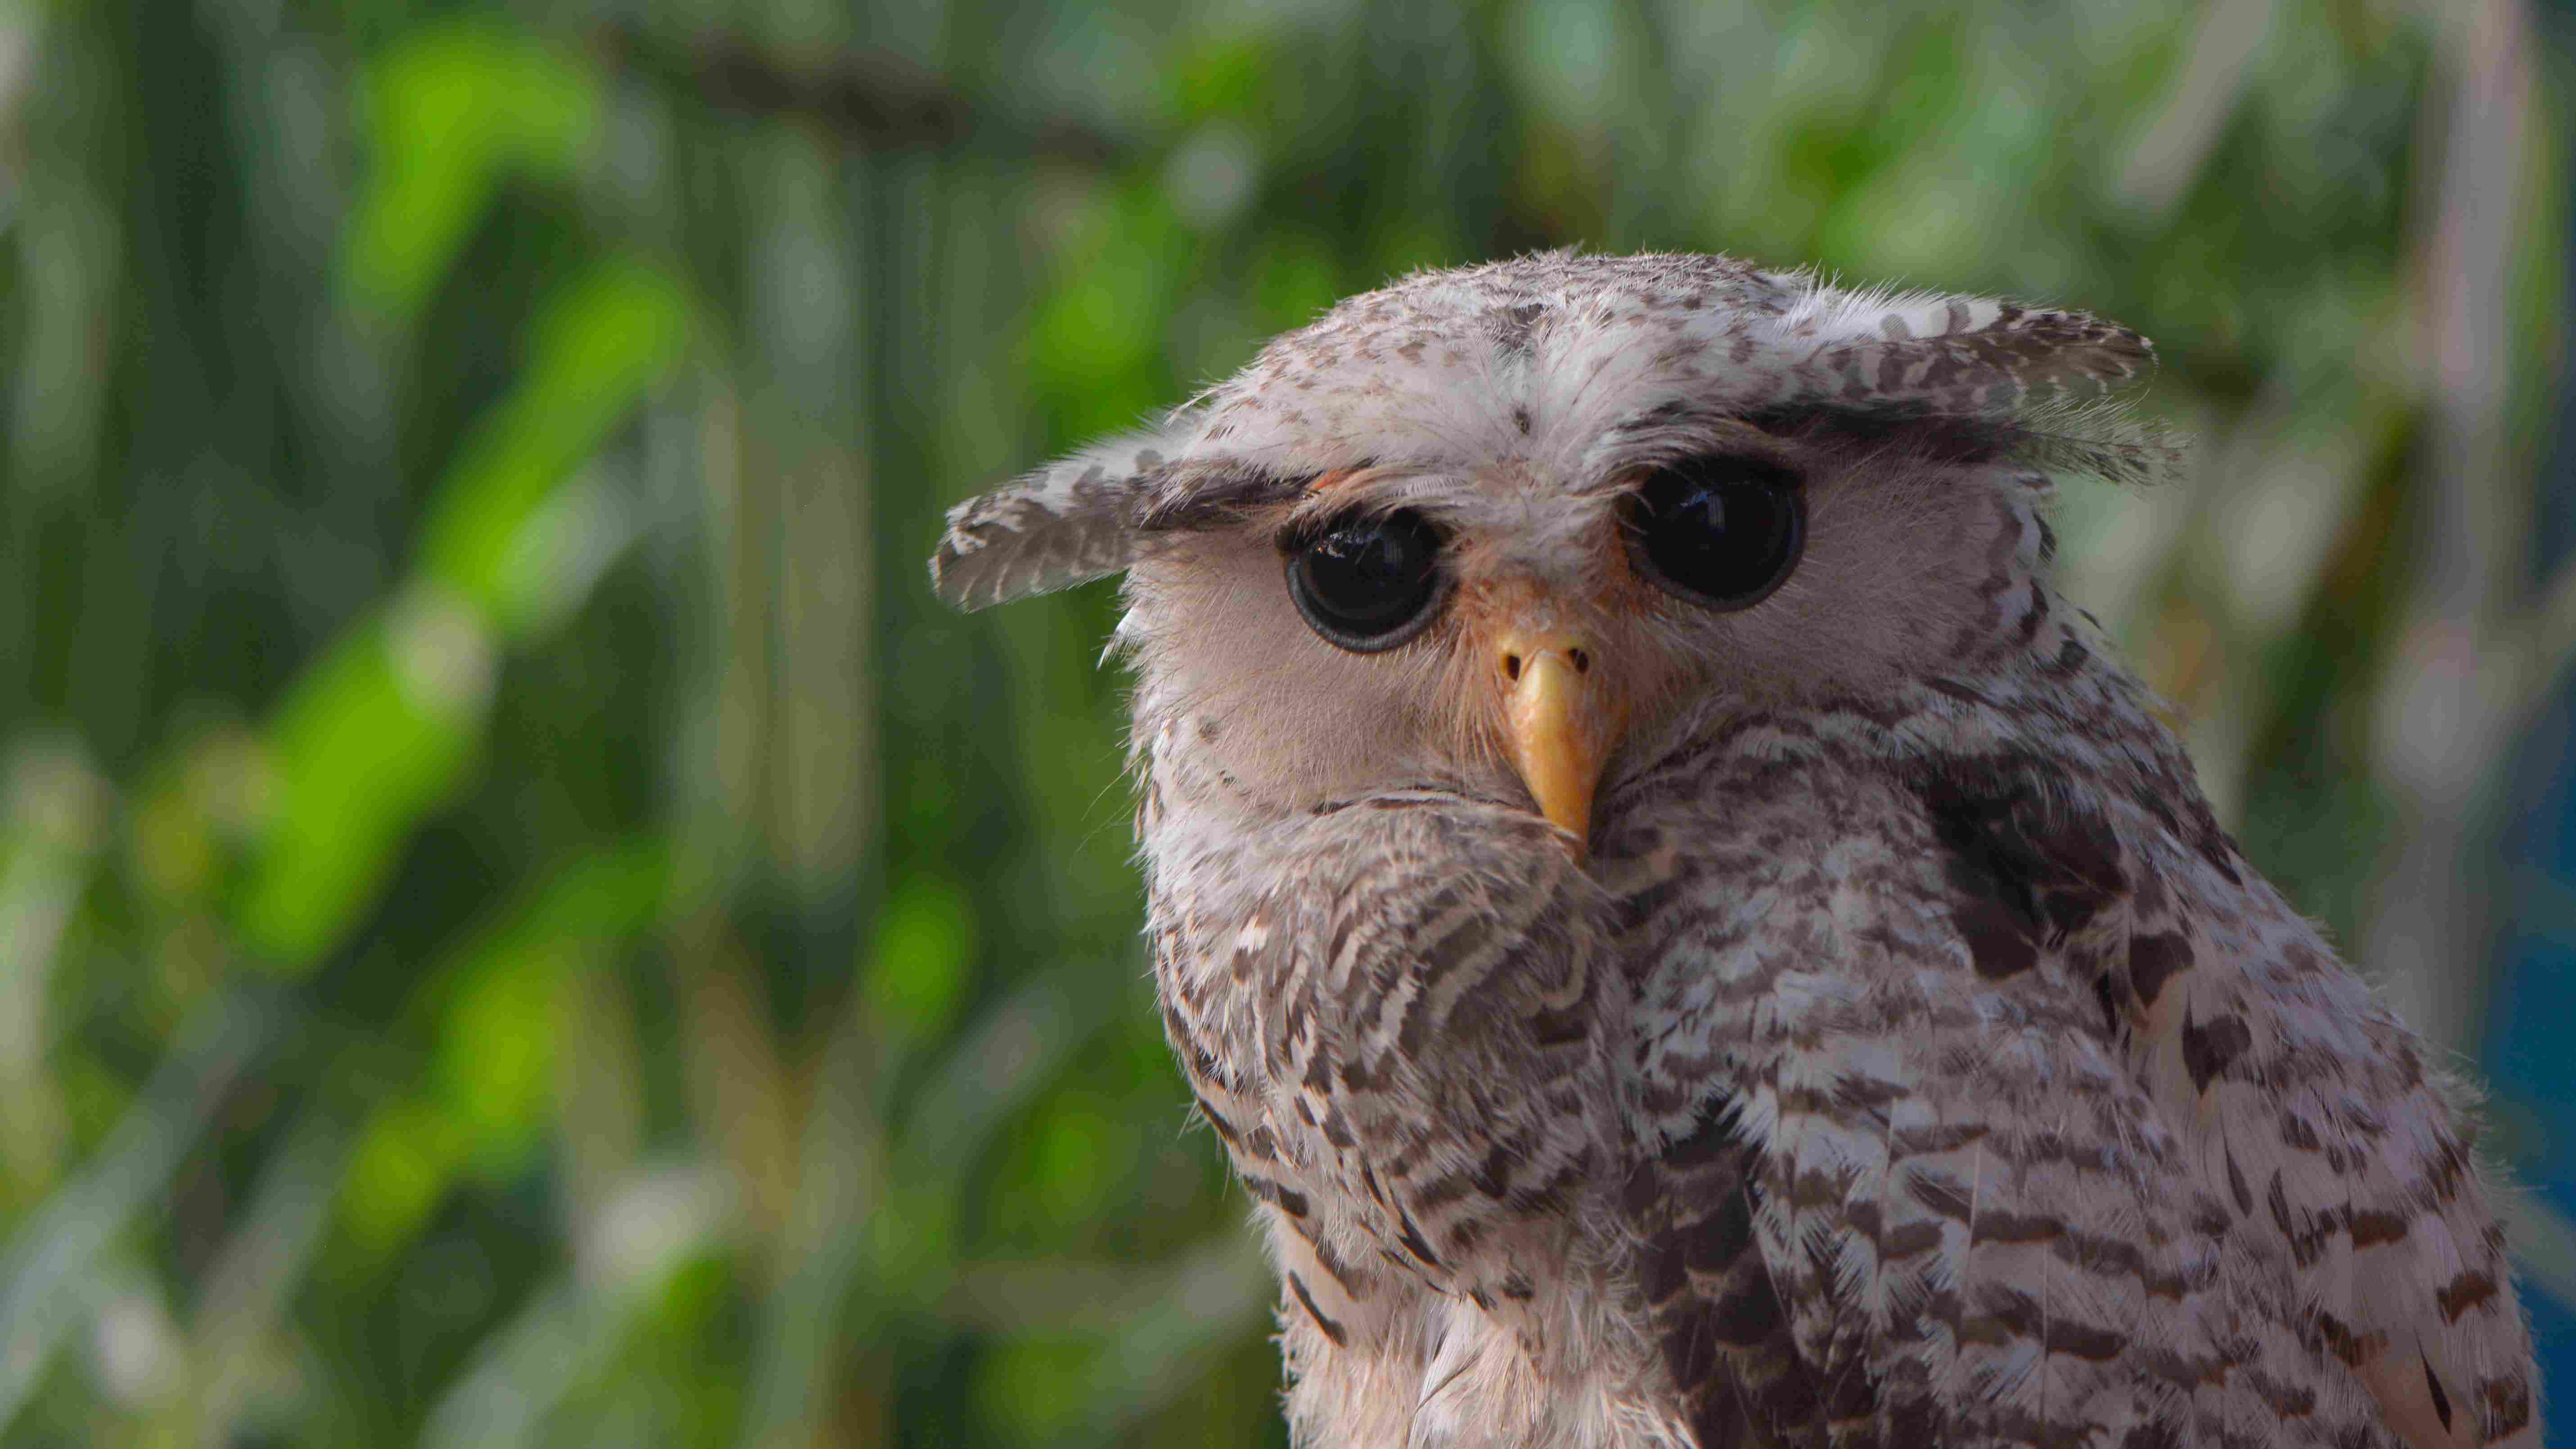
[[2048, 379], [1067, 523]]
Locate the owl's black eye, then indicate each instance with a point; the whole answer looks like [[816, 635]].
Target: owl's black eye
[[1369, 583], [1721, 532]]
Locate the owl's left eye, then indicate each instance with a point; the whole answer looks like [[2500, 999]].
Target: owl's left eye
[[1369, 583], [1721, 532]]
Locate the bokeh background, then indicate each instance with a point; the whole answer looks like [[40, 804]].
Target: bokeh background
[[522, 923]]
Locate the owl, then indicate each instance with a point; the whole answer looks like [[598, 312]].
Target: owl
[[1686, 936]]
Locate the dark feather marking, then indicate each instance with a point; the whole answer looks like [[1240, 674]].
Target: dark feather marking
[[1513, 326], [2441, 1397], [2209, 1047], [2351, 1348], [1863, 426], [1324, 1321], [2237, 1187], [1413, 1241], [1721, 1237], [2463, 1293], [2106, 994], [1714, 1133], [1562, 1028], [1998, 939], [1940, 1192], [1286, 1199], [2154, 960], [2508, 1405], [2025, 871], [1719, 1322], [1217, 1120]]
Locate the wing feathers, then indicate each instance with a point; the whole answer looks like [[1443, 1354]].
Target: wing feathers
[[1979, 1228], [2307, 1107]]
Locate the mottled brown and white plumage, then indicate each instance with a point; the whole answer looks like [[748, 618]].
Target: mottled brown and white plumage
[[1870, 1037]]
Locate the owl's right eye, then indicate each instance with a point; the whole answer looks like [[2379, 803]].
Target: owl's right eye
[[1369, 583]]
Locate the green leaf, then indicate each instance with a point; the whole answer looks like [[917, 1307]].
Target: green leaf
[[403, 1164], [448, 112], [386, 727], [602, 341], [925, 946], [500, 1034], [369, 740], [492, 1075]]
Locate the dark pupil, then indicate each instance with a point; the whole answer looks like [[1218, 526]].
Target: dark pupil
[[1724, 529], [1366, 574], [1367, 579]]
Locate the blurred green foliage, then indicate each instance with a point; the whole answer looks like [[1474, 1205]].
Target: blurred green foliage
[[522, 923]]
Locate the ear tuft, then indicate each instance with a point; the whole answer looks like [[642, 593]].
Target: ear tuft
[[1067, 523], [2000, 360], [2047, 381], [2100, 440]]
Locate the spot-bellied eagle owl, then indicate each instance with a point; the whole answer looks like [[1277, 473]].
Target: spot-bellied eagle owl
[[1690, 940]]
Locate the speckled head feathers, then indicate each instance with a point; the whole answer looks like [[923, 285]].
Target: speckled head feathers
[[1558, 362]]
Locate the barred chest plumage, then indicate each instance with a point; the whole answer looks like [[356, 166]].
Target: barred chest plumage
[[1841, 971], [1401, 1016]]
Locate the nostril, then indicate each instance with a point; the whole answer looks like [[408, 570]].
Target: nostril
[[1581, 661], [1512, 667]]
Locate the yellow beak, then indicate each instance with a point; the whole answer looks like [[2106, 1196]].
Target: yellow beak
[[1559, 724]]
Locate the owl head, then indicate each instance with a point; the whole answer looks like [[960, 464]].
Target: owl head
[[1518, 531]]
